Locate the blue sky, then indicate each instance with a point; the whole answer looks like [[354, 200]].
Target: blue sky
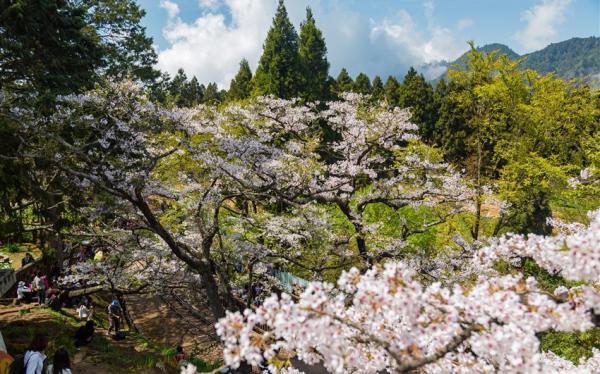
[[208, 38]]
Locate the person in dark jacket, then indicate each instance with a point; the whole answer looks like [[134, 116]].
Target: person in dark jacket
[[28, 259], [84, 335]]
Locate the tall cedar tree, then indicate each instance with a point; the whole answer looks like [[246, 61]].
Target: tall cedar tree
[[46, 45], [126, 48], [241, 86], [417, 94], [362, 84], [377, 89], [343, 82], [279, 69], [313, 58], [390, 91]]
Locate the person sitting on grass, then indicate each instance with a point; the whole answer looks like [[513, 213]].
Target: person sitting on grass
[[23, 293], [84, 334], [114, 317], [61, 364]]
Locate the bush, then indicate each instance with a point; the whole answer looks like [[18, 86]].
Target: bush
[[11, 248]]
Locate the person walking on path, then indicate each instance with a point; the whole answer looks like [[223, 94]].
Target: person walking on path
[[114, 316]]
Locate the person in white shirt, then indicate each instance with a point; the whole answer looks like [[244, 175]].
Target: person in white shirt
[[40, 287], [34, 356], [23, 292], [84, 312], [61, 364]]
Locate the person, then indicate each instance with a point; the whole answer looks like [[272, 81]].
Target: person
[[179, 354], [34, 356], [114, 316], [23, 292], [84, 311], [180, 357], [84, 334], [61, 364], [28, 259], [39, 286]]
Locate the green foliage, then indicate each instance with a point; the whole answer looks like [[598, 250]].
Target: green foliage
[[391, 91], [47, 44], [241, 86], [343, 83], [312, 52], [573, 58], [571, 345], [377, 89], [10, 248], [279, 69], [417, 94], [362, 84], [547, 282], [513, 128], [127, 51]]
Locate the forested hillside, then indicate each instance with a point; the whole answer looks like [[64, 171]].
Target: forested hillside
[[573, 58]]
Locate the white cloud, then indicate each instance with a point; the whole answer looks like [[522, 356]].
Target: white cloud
[[542, 20], [415, 47], [211, 48], [464, 23], [209, 4], [171, 8], [228, 30]]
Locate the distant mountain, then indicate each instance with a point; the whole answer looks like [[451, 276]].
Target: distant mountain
[[573, 58]]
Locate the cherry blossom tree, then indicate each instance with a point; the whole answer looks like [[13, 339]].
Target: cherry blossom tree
[[386, 320], [189, 176]]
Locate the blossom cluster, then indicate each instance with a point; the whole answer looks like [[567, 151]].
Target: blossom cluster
[[385, 319]]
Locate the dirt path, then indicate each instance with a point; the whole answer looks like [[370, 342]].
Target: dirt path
[[154, 318]]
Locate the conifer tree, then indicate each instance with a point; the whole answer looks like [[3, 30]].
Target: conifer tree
[[343, 82], [417, 94], [212, 94], [313, 58], [278, 71], [390, 91], [377, 89], [241, 86], [362, 84], [194, 92]]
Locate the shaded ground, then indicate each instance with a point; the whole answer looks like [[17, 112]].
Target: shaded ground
[[104, 355], [155, 318]]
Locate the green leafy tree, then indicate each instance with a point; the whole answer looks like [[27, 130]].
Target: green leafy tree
[[279, 69], [417, 94], [362, 84], [313, 58], [390, 91], [241, 86]]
